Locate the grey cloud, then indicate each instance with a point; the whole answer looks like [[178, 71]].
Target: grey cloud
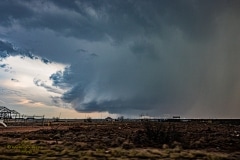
[[5, 91], [62, 79], [81, 50], [6, 48], [96, 20], [123, 19], [70, 96], [3, 55], [11, 10], [56, 100], [32, 101], [145, 50], [30, 55], [187, 79], [14, 80], [57, 78], [63, 21], [161, 57], [93, 54], [6, 67], [46, 61], [41, 83], [3, 65]]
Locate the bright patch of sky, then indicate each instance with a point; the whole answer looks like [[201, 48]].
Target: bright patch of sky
[[19, 92], [17, 85]]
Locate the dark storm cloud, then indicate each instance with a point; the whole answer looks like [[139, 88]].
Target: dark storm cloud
[[81, 51], [180, 63], [57, 78], [6, 49], [159, 57], [11, 10], [62, 79], [93, 54], [145, 50], [93, 20], [46, 61], [31, 56], [123, 19], [114, 106]]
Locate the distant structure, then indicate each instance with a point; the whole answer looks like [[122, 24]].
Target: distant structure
[[176, 117], [6, 113], [109, 119]]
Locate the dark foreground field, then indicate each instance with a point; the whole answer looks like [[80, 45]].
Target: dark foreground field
[[122, 140]]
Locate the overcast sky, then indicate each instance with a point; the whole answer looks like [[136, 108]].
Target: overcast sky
[[123, 57]]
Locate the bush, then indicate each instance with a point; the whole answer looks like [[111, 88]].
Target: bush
[[89, 119], [155, 134], [127, 145]]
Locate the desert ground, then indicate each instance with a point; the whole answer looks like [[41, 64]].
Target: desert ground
[[134, 140]]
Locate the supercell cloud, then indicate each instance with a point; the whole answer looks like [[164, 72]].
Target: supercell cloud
[[134, 56]]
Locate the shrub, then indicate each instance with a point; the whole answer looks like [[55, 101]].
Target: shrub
[[127, 145], [155, 134]]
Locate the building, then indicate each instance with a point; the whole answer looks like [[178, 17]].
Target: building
[[109, 119]]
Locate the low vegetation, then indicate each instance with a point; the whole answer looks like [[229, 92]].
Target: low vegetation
[[120, 140]]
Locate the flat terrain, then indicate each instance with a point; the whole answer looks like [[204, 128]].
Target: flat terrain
[[121, 140]]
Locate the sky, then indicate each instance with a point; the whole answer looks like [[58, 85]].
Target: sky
[[95, 58]]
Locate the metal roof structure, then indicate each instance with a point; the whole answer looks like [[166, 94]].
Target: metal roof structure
[[6, 113]]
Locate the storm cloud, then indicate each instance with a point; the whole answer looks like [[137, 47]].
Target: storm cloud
[[40, 83], [132, 57]]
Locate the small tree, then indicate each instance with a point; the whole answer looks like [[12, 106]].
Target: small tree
[[121, 118], [89, 119]]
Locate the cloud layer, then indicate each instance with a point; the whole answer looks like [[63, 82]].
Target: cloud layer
[[132, 57]]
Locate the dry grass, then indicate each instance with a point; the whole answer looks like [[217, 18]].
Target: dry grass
[[119, 153], [111, 141]]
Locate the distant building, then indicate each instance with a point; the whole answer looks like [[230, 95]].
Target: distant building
[[109, 119], [176, 117]]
